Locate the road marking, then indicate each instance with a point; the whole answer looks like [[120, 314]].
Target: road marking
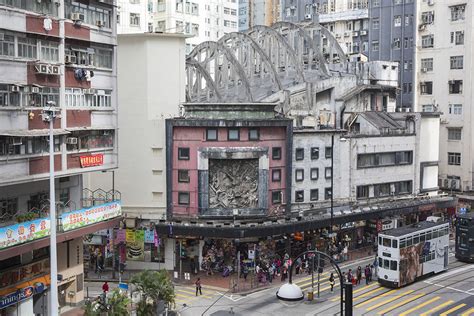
[[368, 293], [456, 271], [357, 291], [231, 297], [437, 308], [449, 287], [396, 297], [408, 300], [375, 298], [434, 299], [468, 312], [193, 293], [455, 308]]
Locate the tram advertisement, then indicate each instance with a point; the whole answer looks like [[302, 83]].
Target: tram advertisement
[[410, 263]]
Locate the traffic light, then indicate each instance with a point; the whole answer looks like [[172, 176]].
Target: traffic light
[[183, 249]]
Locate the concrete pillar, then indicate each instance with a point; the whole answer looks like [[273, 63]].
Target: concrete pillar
[[26, 307]]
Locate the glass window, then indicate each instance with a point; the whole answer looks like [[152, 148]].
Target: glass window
[[7, 46], [428, 236], [299, 154], [386, 263], [299, 175], [394, 243], [403, 243], [380, 262], [276, 197], [416, 239], [314, 153], [254, 134], [183, 153], [233, 134], [327, 193], [387, 242], [422, 237], [328, 152], [409, 241], [314, 195], [183, 175], [393, 265], [183, 198], [276, 175], [27, 47], [380, 240], [328, 172], [299, 196], [314, 173], [211, 134], [49, 51], [276, 153]]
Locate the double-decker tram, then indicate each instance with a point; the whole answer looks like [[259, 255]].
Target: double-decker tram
[[465, 237], [410, 252]]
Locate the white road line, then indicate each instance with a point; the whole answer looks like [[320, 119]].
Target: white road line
[[449, 288], [456, 271]]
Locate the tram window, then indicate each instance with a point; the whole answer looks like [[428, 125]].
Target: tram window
[[393, 265], [435, 234], [380, 262], [386, 263], [403, 243], [409, 241], [428, 235], [463, 241], [432, 255], [394, 243], [416, 239], [446, 230], [387, 242], [422, 237], [380, 240]]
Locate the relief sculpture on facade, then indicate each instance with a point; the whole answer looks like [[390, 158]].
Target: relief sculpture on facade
[[233, 183]]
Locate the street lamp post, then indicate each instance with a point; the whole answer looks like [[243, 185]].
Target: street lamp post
[[332, 184], [48, 115]]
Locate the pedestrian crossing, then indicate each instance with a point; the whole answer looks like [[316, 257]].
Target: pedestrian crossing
[[186, 295]]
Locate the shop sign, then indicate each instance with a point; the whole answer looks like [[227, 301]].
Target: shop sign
[[91, 215], [379, 226], [251, 254], [121, 236], [130, 236], [16, 297], [149, 236], [24, 232], [136, 248], [92, 160]]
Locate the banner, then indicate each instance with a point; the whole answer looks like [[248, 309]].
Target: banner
[[16, 297], [24, 232], [92, 160], [91, 215], [121, 236], [149, 236], [136, 248], [130, 235]]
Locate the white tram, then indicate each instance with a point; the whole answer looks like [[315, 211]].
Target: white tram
[[407, 253]]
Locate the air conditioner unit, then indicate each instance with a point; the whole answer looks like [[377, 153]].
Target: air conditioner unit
[[26, 89], [422, 27], [355, 33], [338, 35], [100, 23], [308, 16], [55, 70], [70, 59], [346, 34], [2, 36], [71, 140], [362, 33], [293, 7], [15, 88], [89, 91], [77, 16], [424, 69], [41, 68], [35, 90], [431, 2]]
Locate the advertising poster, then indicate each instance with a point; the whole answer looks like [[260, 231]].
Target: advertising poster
[[149, 236], [91, 215], [23, 232], [136, 248]]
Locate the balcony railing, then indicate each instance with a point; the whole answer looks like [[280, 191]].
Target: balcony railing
[[38, 228]]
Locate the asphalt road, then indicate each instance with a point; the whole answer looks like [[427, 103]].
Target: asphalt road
[[448, 293]]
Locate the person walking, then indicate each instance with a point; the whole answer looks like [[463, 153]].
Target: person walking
[[198, 286], [331, 281], [105, 287], [349, 276], [367, 274], [359, 275]]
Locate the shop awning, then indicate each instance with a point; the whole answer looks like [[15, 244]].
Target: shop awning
[[91, 128], [46, 280], [32, 132]]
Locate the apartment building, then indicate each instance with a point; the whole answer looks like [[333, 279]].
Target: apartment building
[[258, 12], [348, 20], [59, 55], [133, 16], [206, 20], [444, 84]]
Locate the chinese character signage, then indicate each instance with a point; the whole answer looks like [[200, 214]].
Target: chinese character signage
[[135, 248], [16, 297], [24, 232], [149, 236], [120, 236], [91, 215], [92, 160]]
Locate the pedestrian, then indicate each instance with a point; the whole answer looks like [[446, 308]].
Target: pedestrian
[[359, 275], [198, 286], [344, 251], [270, 273], [331, 281], [367, 274], [372, 272], [105, 287], [349, 276]]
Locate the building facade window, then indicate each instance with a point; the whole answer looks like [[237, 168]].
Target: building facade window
[[183, 176], [384, 159], [299, 196], [299, 154], [456, 62], [455, 109], [211, 134], [396, 44], [183, 198], [327, 193], [426, 64], [93, 14], [458, 12], [276, 153], [314, 153], [397, 21], [375, 46], [8, 208], [314, 195], [427, 41], [455, 86], [299, 175], [328, 152], [276, 175], [254, 134], [375, 23], [276, 197], [426, 87], [233, 134], [457, 37], [427, 17], [7, 46], [87, 98], [27, 47], [314, 173], [328, 172], [454, 159], [454, 133], [183, 153], [49, 51]]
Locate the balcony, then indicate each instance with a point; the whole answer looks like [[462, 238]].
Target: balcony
[[34, 226]]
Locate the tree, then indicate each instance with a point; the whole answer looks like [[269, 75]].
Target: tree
[[119, 303], [154, 286]]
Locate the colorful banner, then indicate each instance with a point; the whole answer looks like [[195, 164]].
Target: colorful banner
[[136, 248], [16, 297], [149, 236], [92, 160], [130, 235], [120, 236], [24, 232], [91, 215]]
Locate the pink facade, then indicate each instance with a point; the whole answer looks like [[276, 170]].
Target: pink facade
[[194, 138]]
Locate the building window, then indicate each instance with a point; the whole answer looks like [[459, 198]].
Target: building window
[[328, 152], [457, 62], [299, 196], [454, 133], [27, 47], [314, 153], [233, 134], [427, 41], [299, 175], [363, 192], [183, 198], [134, 19], [276, 175], [384, 159], [276, 197], [457, 38], [397, 21], [314, 173], [403, 187], [407, 65], [426, 64], [328, 172], [455, 86], [375, 46], [455, 109], [276, 153], [8, 208], [7, 46], [211, 134], [426, 87], [299, 154], [427, 108], [183, 176], [254, 134], [314, 195], [49, 51], [427, 17], [375, 23], [376, 3], [327, 193], [454, 159], [183, 153], [458, 12], [396, 44], [408, 19]]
